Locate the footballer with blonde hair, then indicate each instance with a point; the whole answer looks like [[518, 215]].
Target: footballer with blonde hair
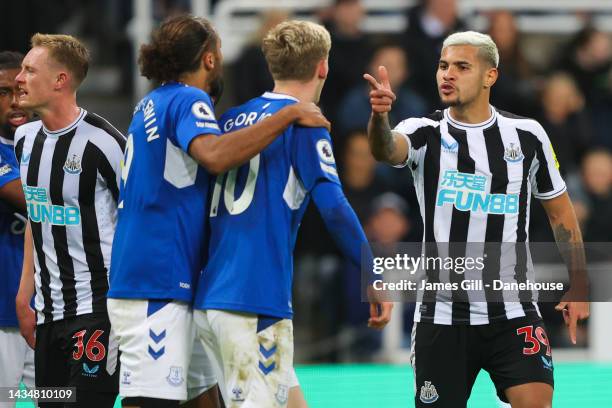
[[69, 162], [243, 301]]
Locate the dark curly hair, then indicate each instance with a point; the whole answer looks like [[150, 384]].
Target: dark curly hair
[[176, 47]]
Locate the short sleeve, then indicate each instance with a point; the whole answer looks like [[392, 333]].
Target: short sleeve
[[413, 129], [313, 156], [545, 178], [9, 170], [110, 165], [195, 116]]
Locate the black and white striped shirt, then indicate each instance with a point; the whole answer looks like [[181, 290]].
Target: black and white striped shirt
[[473, 184], [70, 179]]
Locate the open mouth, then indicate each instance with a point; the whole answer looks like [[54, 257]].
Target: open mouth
[[17, 118], [447, 89]]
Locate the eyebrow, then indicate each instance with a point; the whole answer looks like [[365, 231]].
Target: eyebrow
[[462, 62]]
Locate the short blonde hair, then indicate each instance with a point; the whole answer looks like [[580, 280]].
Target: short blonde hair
[[294, 48], [67, 51], [485, 44]]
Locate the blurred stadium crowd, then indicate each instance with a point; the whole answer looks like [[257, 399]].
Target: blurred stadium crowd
[[570, 95]]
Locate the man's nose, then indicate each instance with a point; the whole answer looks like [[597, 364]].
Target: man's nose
[[15, 99]]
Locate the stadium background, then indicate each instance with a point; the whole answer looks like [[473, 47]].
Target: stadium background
[[556, 66]]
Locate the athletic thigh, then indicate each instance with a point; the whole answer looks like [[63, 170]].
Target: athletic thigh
[[256, 356], [444, 366], [518, 352], [156, 340]]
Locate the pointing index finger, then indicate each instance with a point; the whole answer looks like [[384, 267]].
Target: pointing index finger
[[384, 77], [573, 320]]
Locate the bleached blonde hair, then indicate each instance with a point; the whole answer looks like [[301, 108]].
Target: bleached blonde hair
[[294, 48], [485, 44]]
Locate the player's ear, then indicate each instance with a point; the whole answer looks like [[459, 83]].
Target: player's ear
[[490, 77], [61, 80], [323, 69], [208, 60]]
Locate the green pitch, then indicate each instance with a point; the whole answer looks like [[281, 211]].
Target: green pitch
[[391, 386]]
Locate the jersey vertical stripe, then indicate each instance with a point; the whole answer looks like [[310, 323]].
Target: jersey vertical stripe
[[495, 222], [91, 235], [44, 276], [473, 184], [431, 174], [70, 179], [60, 239], [526, 139], [460, 223]]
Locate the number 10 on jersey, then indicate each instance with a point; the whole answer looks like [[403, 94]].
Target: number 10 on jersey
[[235, 206]]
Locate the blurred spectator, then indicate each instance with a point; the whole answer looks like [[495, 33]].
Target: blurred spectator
[[588, 58], [348, 56], [565, 120], [568, 127], [163, 9], [388, 225], [597, 177], [250, 71], [429, 24], [513, 90], [354, 111], [358, 174]]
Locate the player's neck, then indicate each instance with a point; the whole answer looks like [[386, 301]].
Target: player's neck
[[196, 79], [477, 112], [304, 92], [59, 114]]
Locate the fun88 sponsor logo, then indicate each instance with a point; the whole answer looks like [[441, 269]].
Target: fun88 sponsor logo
[[466, 192], [41, 210]]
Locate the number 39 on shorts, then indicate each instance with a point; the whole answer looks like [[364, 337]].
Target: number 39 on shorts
[[534, 342]]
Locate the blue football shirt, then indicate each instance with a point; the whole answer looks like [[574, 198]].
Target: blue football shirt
[[12, 227], [160, 240], [256, 211]]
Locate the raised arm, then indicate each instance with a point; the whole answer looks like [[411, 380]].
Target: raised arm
[[386, 145], [569, 238], [219, 154]]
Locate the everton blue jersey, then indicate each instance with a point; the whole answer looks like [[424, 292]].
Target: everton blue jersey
[[255, 214], [160, 240], [12, 226]]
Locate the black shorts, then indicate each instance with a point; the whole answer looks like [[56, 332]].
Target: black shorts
[[446, 359], [75, 352]]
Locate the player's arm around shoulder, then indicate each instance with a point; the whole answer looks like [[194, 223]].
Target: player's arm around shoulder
[[387, 145], [219, 154]]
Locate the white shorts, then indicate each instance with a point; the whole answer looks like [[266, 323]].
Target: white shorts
[[158, 356], [252, 357], [16, 361]]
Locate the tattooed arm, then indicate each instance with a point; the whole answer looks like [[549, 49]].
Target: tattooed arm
[[386, 145], [567, 233]]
